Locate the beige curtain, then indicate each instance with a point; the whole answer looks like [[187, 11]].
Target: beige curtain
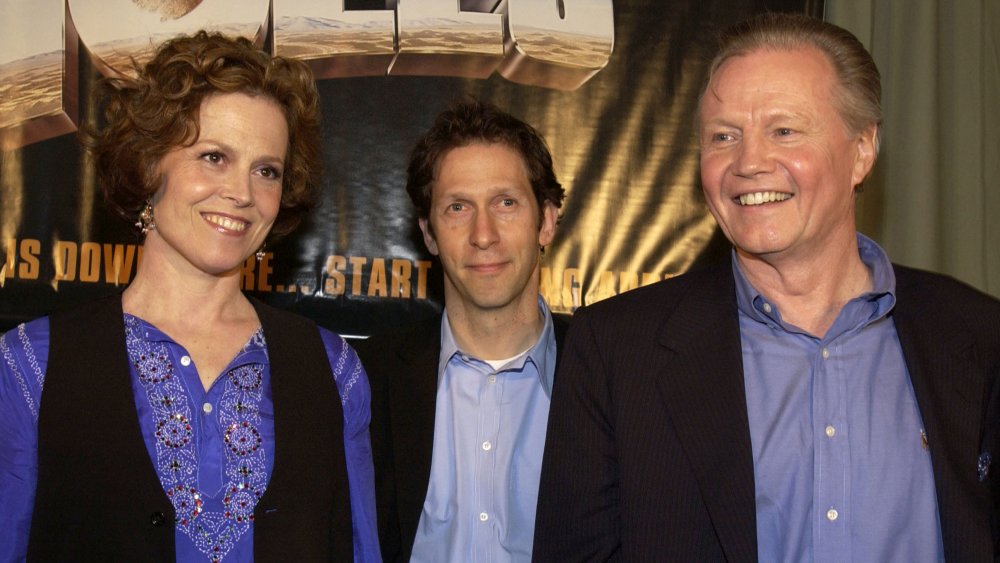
[[934, 199]]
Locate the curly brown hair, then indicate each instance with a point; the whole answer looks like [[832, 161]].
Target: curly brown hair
[[470, 121], [156, 111]]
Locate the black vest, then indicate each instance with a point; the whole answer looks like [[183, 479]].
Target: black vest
[[98, 495]]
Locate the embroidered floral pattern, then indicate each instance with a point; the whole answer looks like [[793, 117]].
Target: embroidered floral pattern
[[31, 359], [214, 533], [340, 366]]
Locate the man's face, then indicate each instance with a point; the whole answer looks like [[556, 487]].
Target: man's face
[[484, 226], [778, 164]]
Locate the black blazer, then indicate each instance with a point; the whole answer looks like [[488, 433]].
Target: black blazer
[[648, 454], [402, 367]]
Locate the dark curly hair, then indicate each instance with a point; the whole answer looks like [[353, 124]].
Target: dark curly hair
[[156, 111], [471, 121]]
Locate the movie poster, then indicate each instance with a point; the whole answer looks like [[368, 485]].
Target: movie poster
[[611, 84]]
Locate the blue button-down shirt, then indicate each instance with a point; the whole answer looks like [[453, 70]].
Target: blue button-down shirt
[[213, 450], [841, 466], [489, 432]]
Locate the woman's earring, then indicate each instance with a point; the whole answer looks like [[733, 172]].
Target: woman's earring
[[146, 221], [260, 252]]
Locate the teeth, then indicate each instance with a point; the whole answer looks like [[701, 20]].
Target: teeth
[[758, 198], [226, 222]]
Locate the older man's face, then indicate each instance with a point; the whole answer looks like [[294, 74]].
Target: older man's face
[[778, 164]]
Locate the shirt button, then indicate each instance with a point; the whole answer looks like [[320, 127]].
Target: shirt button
[[826, 353], [185, 361], [767, 307], [207, 407], [487, 445], [832, 514], [483, 517], [830, 431], [492, 379]]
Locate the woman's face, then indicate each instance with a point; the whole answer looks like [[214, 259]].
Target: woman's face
[[220, 196]]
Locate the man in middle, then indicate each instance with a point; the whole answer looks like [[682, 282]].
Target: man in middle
[[460, 402]]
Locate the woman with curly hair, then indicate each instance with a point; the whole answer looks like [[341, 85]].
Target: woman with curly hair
[[181, 420]]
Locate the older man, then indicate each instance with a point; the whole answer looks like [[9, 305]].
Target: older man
[[460, 402], [808, 400]]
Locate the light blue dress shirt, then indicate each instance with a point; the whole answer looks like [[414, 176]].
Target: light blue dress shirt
[[489, 433], [842, 470]]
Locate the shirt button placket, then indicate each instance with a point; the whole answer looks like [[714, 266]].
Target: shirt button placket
[[832, 450], [489, 413]]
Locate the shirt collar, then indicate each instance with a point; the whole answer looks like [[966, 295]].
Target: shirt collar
[[542, 354], [882, 296], [254, 351]]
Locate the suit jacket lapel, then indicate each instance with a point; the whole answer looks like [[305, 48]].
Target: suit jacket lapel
[[702, 388], [949, 389], [412, 399]]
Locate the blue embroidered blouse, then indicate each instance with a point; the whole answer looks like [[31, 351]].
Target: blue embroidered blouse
[[213, 450]]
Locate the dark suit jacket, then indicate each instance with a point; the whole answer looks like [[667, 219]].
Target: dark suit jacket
[[648, 454], [402, 367]]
